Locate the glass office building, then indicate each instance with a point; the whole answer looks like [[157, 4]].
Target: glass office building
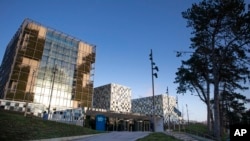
[[42, 65]]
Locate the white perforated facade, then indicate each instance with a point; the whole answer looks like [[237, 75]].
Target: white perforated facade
[[112, 97], [165, 106]]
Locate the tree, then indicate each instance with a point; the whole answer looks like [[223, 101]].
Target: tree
[[221, 42], [232, 108], [246, 117], [193, 75]]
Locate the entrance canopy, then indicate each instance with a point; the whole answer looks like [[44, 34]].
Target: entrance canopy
[[92, 112]]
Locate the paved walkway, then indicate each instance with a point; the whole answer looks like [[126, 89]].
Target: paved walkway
[[126, 136], [116, 136], [111, 136]]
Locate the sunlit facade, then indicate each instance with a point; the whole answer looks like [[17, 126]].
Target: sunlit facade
[[42, 65]]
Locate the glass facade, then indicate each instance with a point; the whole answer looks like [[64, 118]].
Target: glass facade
[[47, 67]]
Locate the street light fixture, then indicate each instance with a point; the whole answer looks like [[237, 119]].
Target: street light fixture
[[187, 114], [154, 74], [27, 101], [169, 113], [54, 70]]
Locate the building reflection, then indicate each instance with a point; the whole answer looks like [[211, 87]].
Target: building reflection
[[36, 47]]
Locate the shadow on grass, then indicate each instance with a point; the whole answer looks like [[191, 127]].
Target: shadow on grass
[[14, 126]]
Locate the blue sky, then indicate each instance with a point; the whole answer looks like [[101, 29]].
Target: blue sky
[[123, 31]]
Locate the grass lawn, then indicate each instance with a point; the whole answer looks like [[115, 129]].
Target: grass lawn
[[201, 130], [197, 127], [158, 137], [14, 126]]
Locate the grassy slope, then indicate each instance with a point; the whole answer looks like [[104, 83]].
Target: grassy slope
[[14, 126], [193, 128], [158, 137], [198, 127]]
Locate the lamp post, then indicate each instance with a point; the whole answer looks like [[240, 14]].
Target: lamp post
[[169, 114], [179, 120], [27, 102], [187, 114], [153, 67], [54, 70]]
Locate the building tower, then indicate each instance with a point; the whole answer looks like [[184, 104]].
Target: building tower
[[113, 97], [42, 65], [166, 107]]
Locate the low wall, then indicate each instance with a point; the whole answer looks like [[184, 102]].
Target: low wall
[[35, 109], [69, 116]]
